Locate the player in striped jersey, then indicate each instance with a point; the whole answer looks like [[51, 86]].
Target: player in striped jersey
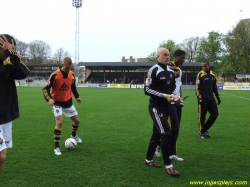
[[62, 83], [11, 68]]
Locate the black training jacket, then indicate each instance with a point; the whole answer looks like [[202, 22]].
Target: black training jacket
[[10, 69], [159, 81], [206, 86]]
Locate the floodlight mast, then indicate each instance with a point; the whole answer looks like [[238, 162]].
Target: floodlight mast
[[77, 4]]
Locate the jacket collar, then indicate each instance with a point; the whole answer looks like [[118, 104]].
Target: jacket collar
[[162, 65]]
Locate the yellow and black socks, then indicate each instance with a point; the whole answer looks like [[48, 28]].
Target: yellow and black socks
[[57, 136], [74, 129]]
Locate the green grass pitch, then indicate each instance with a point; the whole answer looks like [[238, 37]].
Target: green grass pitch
[[115, 129]]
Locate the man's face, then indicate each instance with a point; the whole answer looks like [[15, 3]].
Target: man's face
[[179, 60], [3, 55], [67, 68], [164, 56], [205, 66]]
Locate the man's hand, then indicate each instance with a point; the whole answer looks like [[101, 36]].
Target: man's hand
[[51, 102], [218, 99], [175, 98], [170, 98], [4, 44], [200, 101], [78, 100], [167, 97], [177, 74]]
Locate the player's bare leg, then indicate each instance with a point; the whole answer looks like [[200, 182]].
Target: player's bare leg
[[3, 155], [59, 121]]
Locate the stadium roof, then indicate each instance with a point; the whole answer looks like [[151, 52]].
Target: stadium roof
[[43, 65], [128, 65]]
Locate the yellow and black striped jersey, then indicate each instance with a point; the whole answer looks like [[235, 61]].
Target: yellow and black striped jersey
[[173, 66], [11, 69]]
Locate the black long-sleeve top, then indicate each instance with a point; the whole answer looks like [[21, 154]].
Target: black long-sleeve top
[[159, 81], [206, 86], [51, 82], [10, 69]]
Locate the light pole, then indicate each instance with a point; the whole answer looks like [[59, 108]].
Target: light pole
[[77, 4]]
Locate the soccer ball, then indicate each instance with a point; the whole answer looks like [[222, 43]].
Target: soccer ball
[[70, 143]]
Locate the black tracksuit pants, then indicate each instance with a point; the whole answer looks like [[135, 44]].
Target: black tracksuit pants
[[179, 112], [174, 121], [211, 107], [161, 130]]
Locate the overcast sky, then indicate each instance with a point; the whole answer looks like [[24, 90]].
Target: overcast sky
[[110, 29]]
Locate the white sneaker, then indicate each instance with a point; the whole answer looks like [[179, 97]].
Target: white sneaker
[[78, 140], [57, 151], [158, 151], [174, 157]]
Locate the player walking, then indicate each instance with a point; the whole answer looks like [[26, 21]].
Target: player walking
[[175, 109], [62, 82], [205, 87], [160, 84]]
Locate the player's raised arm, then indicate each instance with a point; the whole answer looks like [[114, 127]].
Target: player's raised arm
[[18, 70]]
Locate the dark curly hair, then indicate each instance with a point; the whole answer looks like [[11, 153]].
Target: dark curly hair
[[179, 52]]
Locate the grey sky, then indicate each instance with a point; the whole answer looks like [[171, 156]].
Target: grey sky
[[110, 29]]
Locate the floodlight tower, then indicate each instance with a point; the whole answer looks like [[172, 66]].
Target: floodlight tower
[[77, 4]]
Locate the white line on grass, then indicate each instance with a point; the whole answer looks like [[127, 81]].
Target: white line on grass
[[236, 96]]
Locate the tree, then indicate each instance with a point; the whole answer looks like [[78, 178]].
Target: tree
[[211, 48], [21, 49], [39, 51], [59, 55], [238, 45], [152, 57], [170, 45], [190, 46]]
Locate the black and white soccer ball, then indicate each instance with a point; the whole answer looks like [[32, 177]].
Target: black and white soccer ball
[[70, 143]]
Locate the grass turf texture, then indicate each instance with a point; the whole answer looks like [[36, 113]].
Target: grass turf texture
[[115, 128]]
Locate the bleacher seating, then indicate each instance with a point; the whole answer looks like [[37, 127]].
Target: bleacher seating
[[98, 77]]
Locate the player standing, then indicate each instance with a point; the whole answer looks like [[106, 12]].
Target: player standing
[[62, 82], [160, 84], [11, 68], [205, 87]]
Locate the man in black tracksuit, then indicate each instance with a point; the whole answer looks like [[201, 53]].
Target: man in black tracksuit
[[206, 87], [159, 85], [11, 68]]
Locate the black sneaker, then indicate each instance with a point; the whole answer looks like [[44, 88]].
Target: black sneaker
[[153, 164], [207, 134], [203, 136], [172, 171]]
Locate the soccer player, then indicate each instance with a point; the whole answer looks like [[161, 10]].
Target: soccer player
[[175, 109], [11, 68], [205, 87], [62, 82], [159, 85]]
